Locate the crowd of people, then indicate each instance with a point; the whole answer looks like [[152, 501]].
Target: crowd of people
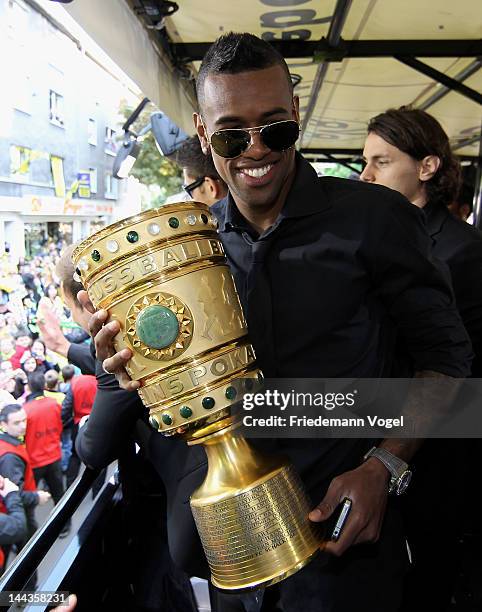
[[42, 395]]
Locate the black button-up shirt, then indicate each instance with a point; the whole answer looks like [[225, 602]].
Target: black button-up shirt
[[345, 267], [343, 270]]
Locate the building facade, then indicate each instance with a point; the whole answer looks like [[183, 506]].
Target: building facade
[[58, 125]]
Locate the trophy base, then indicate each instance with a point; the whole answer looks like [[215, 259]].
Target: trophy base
[[268, 583], [252, 516]]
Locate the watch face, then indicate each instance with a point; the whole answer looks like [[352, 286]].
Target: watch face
[[403, 482]]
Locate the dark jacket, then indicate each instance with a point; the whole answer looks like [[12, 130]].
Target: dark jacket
[[80, 355], [459, 245], [13, 526], [13, 467]]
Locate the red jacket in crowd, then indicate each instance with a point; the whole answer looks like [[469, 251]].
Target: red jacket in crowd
[[15, 359], [84, 388], [44, 428], [28, 483], [21, 451]]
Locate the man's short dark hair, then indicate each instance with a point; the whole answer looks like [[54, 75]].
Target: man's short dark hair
[[51, 379], [191, 157], [418, 134], [36, 382], [237, 52], [65, 271], [21, 333], [7, 410], [68, 372]]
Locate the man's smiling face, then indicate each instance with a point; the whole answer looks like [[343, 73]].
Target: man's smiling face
[[259, 178]]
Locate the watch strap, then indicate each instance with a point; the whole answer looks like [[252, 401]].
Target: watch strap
[[394, 464], [399, 470]]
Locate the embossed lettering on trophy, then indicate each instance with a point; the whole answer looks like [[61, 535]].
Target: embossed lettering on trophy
[[163, 275]]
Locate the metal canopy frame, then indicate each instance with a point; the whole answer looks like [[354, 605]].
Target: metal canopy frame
[[440, 77], [322, 51], [466, 142], [343, 162], [332, 151], [333, 40], [355, 154], [330, 49], [335, 49], [471, 69]]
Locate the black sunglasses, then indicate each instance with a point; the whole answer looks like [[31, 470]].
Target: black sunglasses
[[192, 186], [276, 136]]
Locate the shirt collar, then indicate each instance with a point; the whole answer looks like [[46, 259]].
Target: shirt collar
[[435, 214], [10, 439], [233, 218], [306, 197], [35, 395]]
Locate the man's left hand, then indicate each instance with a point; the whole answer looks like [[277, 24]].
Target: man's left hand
[[367, 487]]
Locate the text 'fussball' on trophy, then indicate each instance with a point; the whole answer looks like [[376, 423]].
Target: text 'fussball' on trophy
[[163, 275]]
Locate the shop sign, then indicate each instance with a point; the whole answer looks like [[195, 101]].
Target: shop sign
[[83, 179], [36, 205]]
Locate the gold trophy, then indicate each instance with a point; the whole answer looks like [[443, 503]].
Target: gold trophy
[[163, 275]]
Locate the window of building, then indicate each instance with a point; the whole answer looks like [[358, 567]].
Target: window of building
[[20, 158], [92, 131], [57, 166], [56, 75], [17, 7], [18, 16], [23, 93], [93, 180], [110, 147], [110, 186], [58, 48], [56, 108]]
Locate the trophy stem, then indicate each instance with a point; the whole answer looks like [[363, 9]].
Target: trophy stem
[[251, 513]]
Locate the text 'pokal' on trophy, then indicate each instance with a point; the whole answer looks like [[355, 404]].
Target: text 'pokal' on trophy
[[163, 275]]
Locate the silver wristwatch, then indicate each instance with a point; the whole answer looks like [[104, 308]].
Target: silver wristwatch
[[400, 471]]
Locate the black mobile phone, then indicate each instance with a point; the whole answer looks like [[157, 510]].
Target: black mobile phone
[[334, 525]]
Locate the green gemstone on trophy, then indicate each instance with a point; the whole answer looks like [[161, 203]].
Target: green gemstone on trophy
[[204, 218], [185, 412], [157, 326], [95, 255], [132, 237], [167, 419], [230, 393], [154, 422], [174, 222], [208, 403]]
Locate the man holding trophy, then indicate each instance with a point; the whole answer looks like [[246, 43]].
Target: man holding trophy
[[329, 274]]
